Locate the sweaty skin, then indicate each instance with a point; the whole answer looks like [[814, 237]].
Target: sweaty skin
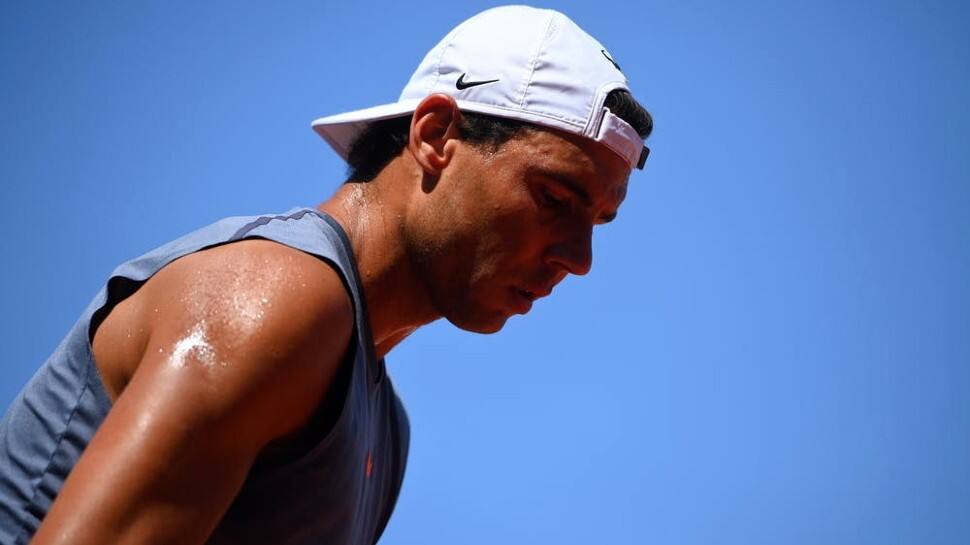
[[221, 359], [199, 390]]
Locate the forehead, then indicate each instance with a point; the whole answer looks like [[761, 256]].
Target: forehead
[[600, 171]]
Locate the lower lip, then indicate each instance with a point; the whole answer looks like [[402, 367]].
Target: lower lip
[[520, 303]]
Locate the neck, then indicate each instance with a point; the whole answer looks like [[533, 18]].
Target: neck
[[373, 219]]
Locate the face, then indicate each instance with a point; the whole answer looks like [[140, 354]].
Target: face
[[498, 230]]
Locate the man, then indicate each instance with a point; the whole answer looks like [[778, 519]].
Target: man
[[229, 387]]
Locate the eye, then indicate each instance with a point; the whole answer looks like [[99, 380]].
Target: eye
[[549, 199]]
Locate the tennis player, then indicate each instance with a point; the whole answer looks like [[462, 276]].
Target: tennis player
[[230, 386]]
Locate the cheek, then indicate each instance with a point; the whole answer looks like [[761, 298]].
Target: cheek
[[526, 226], [513, 240], [498, 219]]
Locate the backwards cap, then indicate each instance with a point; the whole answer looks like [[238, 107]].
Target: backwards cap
[[516, 62]]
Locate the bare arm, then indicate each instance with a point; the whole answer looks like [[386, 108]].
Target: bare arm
[[243, 345]]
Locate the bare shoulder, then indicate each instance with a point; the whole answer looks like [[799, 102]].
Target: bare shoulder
[[254, 330], [253, 288], [233, 347]]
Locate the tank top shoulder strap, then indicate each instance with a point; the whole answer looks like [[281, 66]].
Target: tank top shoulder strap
[[305, 229], [317, 233]]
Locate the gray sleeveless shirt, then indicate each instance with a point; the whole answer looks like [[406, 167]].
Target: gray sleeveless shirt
[[341, 490]]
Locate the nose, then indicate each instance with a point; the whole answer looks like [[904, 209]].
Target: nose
[[574, 253]]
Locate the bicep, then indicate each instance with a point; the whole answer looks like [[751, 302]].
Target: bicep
[[212, 389], [152, 472]]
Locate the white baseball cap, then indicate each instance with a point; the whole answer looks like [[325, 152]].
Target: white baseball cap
[[517, 62]]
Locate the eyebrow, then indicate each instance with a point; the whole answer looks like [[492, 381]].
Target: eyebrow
[[574, 187]]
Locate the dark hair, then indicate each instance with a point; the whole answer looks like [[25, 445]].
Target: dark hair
[[384, 140], [624, 106]]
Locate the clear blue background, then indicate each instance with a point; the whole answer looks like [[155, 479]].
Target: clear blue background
[[773, 345]]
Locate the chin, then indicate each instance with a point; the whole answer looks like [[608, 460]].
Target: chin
[[479, 324]]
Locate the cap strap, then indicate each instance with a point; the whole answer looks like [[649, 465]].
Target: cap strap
[[622, 138]]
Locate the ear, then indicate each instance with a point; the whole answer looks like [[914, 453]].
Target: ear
[[434, 132]]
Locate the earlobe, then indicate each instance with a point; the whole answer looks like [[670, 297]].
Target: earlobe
[[434, 128]]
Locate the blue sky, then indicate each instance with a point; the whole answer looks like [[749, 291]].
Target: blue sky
[[773, 345]]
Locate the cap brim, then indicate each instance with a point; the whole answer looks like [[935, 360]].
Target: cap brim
[[341, 130]]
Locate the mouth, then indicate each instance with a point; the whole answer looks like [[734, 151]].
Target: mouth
[[535, 292], [525, 297], [522, 300], [531, 296]]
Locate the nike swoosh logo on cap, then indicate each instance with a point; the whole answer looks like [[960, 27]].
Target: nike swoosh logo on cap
[[461, 84]]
